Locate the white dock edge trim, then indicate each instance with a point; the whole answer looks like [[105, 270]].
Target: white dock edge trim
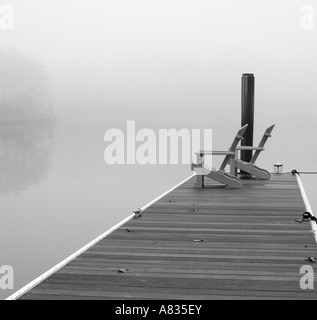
[[62, 264], [307, 205]]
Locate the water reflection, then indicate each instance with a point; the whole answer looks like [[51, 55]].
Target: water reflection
[[25, 152], [27, 122]]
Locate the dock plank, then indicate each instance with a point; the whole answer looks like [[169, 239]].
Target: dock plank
[[252, 248]]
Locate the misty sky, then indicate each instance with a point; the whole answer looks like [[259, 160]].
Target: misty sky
[[148, 59]]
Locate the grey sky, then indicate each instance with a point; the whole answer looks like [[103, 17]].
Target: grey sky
[[143, 57]]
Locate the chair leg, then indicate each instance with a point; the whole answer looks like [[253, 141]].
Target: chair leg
[[199, 181], [199, 177], [227, 179], [253, 169]]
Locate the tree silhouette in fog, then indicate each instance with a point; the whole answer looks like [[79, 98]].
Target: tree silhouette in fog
[[24, 90], [25, 134]]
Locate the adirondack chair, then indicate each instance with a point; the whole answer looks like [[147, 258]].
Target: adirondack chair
[[219, 175], [250, 167]]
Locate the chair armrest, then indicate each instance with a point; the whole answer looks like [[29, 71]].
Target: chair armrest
[[214, 153], [249, 148]]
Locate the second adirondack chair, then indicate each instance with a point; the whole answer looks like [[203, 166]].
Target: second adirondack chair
[[250, 167]]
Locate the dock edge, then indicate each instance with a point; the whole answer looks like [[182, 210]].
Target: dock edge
[[63, 263], [307, 205]]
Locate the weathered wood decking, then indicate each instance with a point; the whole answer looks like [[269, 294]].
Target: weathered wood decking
[[252, 248]]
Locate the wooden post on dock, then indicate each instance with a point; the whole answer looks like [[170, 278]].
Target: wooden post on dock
[[247, 113]]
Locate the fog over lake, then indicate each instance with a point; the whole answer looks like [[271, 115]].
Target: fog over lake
[[71, 70]]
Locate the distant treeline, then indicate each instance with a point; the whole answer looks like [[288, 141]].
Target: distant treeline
[[24, 88]]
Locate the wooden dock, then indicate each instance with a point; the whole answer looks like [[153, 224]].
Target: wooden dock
[[211, 243]]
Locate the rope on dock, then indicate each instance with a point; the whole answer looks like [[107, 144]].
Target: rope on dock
[[303, 172], [306, 217]]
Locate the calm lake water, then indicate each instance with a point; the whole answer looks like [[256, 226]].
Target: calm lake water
[[57, 193]]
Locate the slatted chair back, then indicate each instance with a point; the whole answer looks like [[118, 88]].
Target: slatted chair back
[[266, 135], [234, 144]]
